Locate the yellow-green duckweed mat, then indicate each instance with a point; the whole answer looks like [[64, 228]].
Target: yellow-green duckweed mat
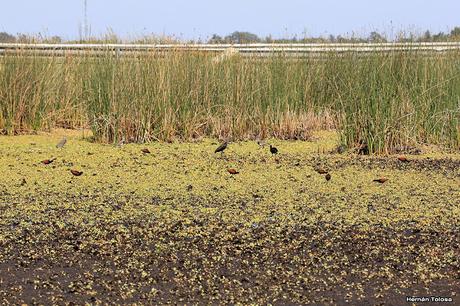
[[174, 225]]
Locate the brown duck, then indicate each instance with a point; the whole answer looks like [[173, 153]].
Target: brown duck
[[76, 172], [48, 161], [232, 171], [403, 159], [321, 171]]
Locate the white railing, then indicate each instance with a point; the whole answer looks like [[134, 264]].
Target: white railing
[[243, 49]]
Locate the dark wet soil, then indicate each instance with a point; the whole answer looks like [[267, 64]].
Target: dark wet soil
[[446, 166], [152, 263]]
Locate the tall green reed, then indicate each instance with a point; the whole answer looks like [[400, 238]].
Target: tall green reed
[[386, 99]]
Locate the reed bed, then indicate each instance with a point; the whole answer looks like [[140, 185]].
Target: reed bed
[[388, 100]]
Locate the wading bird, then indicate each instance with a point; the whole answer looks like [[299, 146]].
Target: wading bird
[[121, 142], [321, 171], [222, 147], [48, 161], [61, 143], [403, 159], [340, 149], [76, 172], [232, 171], [363, 148], [273, 150], [261, 143]]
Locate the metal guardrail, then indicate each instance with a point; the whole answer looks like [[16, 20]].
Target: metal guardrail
[[260, 49]]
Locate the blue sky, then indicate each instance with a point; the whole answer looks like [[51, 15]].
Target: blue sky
[[200, 18]]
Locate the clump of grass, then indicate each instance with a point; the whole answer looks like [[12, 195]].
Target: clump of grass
[[38, 93], [395, 100], [385, 99]]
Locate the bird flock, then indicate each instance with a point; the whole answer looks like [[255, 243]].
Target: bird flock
[[327, 175], [61, 145], [220, 149]]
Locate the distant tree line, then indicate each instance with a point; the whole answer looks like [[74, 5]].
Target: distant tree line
[[238, 37], [25, 38], [109, 37], [247, 37]]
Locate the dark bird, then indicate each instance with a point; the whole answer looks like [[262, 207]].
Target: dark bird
[[145, 151], [328, 177], [381, 180], [340, 149], [403, 159], [76, 172], [363, 148], [222, 147], [61, 143], [232, 171], [48, 161], [273, 150]]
